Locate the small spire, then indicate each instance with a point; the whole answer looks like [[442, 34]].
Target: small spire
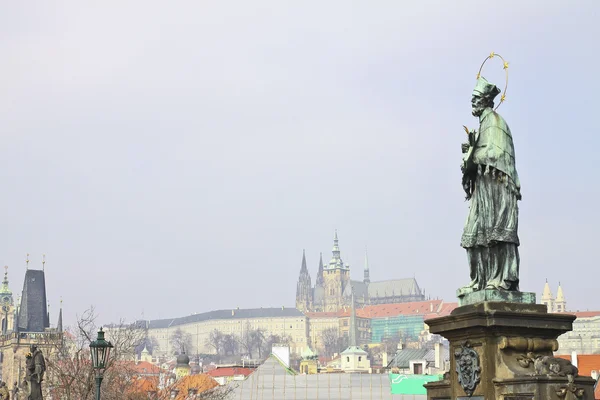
[[59, 324], [43, 262], [27, 261], [366, 278], [303, 267], [320, 281], [5, 289], [547, 293]]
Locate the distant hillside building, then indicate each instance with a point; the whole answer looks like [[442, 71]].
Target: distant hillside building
[[334, 289]]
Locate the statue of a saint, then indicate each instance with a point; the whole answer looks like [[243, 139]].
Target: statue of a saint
[[492, 185], [36, 366]]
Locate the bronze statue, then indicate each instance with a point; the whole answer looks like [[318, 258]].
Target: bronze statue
[[492, 185], [35, 368]]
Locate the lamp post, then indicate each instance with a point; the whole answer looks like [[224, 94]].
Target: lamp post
[[100, 350]]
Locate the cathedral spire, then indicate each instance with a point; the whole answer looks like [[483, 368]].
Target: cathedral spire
[[320, 281], [303, 267], [304, 293], [366, 279], [59, 324], [336, 259]]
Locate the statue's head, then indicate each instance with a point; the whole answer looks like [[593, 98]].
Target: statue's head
[[32, 348], [483, 96]]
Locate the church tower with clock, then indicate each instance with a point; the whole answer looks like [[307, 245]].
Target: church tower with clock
[[8, 305]]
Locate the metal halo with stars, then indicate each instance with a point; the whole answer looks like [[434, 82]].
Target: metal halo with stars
[[505, 67]]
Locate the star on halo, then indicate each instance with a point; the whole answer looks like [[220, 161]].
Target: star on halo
[[505, 65]]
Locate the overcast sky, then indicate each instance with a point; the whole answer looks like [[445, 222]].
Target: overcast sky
[[172, 158]]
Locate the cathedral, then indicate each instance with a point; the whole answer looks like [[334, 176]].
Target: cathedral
[[334, 289]]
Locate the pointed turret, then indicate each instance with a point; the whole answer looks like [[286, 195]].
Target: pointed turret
[[304, 289], [59, 324], [366, 279], [336, 259], [547, 298], [33, 312], [560, 304], [303, 267], [320, 281]]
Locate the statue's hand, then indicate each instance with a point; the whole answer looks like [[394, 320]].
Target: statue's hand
[[465, 147]]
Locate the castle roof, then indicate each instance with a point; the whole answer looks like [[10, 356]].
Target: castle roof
[[274, 312], [380, 289], [33, 313]]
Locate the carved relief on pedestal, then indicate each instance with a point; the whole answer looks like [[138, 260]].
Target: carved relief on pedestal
[[467, 367], [575, 392]]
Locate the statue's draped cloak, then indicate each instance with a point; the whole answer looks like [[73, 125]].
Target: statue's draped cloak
[[490, 233]]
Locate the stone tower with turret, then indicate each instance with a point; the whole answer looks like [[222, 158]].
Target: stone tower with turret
[[336, 277], [304, 291]]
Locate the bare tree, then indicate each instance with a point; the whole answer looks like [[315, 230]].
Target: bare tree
[[390, 343], [150, 343], [257, 338], [272, 340], [215, 340], [69, 368], [252, 340], [181, 341], [330, 340], [229, 344]]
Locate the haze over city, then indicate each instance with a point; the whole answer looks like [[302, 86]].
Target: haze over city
[[186, 155]]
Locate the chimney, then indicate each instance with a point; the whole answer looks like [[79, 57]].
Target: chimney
[[574, 358], [430, 307], [438, 349]]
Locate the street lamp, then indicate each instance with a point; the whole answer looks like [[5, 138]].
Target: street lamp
[[100, 349]]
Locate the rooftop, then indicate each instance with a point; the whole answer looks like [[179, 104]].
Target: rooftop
[[248, 313]]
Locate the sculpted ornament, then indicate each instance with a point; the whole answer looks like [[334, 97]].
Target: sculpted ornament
[[467, 368]]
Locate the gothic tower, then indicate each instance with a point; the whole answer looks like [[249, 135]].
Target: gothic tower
[[560, 304], [304, 294], [336, 277], [319, 292], [8, 305], [547, 298]]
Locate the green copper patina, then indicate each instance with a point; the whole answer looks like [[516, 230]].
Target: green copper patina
[[492, 185]]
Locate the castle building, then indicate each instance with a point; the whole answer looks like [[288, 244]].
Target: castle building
[[334, 289], [554, 305]]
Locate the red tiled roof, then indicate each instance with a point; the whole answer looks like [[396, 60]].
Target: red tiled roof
[[228, 371], [144, 367], [586, 363], [585, 314], [430, 308], [597, 392]]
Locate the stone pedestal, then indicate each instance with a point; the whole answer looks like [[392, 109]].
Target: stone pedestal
[[502, 350]]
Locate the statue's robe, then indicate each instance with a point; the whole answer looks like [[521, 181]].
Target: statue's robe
[[490, 234]]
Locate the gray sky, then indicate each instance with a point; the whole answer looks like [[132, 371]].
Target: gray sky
[[187, 152]]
